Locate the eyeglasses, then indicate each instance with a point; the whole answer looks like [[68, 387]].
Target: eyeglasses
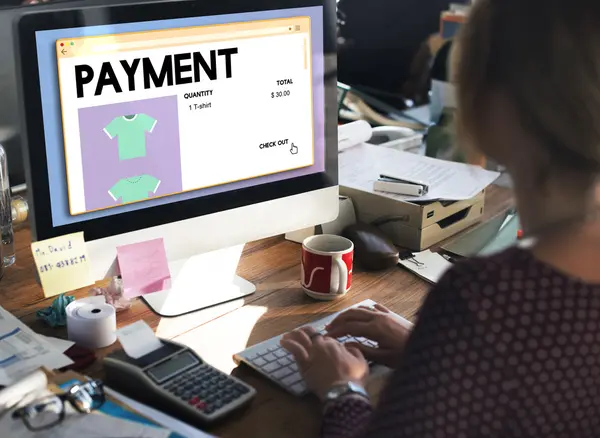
[[50, 411]]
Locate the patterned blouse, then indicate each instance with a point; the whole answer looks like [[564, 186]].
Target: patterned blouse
[[504, 346]]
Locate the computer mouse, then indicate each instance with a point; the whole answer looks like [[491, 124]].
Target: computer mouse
[[373, 250]]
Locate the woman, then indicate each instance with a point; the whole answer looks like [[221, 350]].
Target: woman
[[508, 345]]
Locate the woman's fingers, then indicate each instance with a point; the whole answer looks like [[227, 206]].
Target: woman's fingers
[[354, 351], [370, 353], [301, 336], [298, 351], [357, 314], [359, 329], [381, 308]]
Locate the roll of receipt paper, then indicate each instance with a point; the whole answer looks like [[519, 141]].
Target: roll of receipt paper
[[91, 322]]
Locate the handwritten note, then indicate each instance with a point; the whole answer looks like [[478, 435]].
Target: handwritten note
[[63, 263], [144, 267]]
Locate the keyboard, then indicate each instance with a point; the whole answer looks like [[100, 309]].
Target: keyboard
[[276, 363]]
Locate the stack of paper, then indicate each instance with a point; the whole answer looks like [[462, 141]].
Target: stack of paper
[[361, 166], [23, 351]]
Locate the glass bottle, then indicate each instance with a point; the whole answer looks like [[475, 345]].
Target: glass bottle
[[6, 229]]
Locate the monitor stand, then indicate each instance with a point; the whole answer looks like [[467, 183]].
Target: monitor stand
[[201, 281]]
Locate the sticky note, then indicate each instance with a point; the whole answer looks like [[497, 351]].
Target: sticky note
[[144, 267], [62, 263]]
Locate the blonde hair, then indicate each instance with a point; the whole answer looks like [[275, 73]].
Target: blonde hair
[[544, 56]]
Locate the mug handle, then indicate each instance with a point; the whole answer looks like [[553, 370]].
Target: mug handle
[[343, 271]]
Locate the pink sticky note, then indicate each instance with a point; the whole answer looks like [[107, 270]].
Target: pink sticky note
[[144, 267]]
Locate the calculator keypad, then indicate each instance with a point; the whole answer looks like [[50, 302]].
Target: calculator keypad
[[206, 389]]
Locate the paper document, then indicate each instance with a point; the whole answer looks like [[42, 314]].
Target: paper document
[[138, 339], [60, 344], [428, 265], [23, 390], [361, 166], [98, 424], [23, 351], [63, 263], [159, 417], [84, 426]]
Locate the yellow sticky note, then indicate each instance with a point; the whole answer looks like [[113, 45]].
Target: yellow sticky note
[[63, 263]]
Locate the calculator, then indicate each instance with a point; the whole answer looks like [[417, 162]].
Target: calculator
[[175, 380]]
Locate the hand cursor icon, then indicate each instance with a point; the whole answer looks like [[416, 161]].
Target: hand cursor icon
[[294, 149]]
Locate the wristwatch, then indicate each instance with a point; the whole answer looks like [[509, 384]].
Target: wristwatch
[[346, 388]]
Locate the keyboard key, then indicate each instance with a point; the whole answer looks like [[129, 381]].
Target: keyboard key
[[299, 388], [269, 357], [274, 347], [284, 361], [281, 373], [292, 379], [343, 339], [294, 366], [280, 353], [259, 362], [270, 367]]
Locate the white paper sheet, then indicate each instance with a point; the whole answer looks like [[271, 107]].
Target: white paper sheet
[[161, 418], [60, 344], [361, 166], [23, 351], [428, 265], [138, 339], [23, 390]]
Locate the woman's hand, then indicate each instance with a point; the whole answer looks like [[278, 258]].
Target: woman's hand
[[323, 361], [377, 324]]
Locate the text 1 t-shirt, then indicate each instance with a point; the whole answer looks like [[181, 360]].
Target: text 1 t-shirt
[[131, 131], [135, 188]]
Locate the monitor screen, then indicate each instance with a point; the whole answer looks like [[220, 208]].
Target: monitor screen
[[148, 113]]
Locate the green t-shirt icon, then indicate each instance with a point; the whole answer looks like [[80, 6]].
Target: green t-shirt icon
[[135, 188], [131, 131]]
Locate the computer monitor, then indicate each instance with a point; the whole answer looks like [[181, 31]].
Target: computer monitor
[[10, 137], [207, 124]]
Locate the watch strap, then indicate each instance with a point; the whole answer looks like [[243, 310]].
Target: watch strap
[[340, 390]]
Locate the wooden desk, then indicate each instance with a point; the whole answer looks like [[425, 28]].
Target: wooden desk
[[278, 305]]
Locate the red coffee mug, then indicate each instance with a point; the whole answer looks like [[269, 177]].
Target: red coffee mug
[[326, 266]]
